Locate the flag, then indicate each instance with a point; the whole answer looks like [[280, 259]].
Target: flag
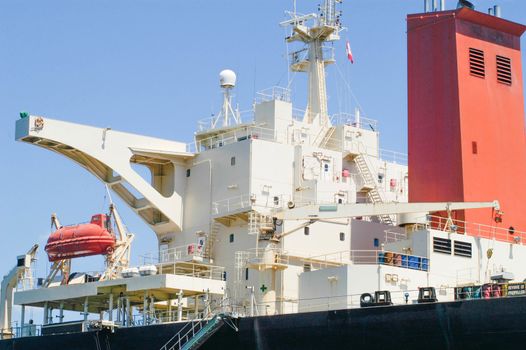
[[349, 52]]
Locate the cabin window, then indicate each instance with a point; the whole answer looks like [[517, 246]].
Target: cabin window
[[462, 249], [224, 275], [342, 236], [306, 230], [246, 274], [376, 242], [233, 161], [441, 245], [187, 172], [476, 63], [276, 200], [504, 70], [340, 201], [474, 148], [307, 267], [380, 178], [231, 238]]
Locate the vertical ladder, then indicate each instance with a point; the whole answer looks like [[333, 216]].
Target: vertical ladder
[[373, 193], [209, 246]]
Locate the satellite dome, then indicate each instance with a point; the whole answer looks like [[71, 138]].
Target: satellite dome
[[227, 78]]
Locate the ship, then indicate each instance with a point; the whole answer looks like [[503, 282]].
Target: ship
[[293, 229]]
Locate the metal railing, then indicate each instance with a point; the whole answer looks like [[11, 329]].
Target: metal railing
[[185, 252], [273, 93], [27, 330], [350, 119], [205, 124], [240, 134], [393, 156], [477, 230], [376, 257]]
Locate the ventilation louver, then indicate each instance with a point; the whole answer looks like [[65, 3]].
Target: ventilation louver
[[441, 245], [504, 70], [476, 63], [463, 249]]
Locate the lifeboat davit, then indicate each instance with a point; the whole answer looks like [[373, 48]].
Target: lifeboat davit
[[80, 240]]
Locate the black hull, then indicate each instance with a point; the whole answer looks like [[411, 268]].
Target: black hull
[[474, 324]]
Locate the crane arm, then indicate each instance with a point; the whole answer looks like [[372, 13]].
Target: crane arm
[[338, 211]]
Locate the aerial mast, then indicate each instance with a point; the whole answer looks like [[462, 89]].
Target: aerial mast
[[314, 30]]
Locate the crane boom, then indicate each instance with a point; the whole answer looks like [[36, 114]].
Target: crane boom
[[338, 211]]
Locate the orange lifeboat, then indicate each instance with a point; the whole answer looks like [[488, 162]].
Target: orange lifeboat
[[80, 240]]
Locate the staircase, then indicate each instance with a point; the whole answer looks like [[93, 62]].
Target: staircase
[[195, 334], [328, 135], [209, 246], [370, 186]]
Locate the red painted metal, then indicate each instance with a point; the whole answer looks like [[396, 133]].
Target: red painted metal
[[81, 240], [466, 133]]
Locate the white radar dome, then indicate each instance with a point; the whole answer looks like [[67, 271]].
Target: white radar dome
[[227, 78]]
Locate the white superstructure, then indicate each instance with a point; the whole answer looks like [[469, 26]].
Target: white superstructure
[[219, 208]]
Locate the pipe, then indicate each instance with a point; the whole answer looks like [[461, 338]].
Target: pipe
[[442, 5], [427, 7], [496, 11]]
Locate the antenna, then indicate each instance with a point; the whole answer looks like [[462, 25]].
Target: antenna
[[227, 80], [313, 30]]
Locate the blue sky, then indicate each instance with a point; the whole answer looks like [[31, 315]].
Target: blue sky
[[151, 67]]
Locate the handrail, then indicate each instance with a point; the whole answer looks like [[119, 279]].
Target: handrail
[[190, 327]]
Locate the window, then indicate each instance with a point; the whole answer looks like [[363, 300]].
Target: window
[[476, 63], [441, 245], [231, 238], [376, 242], [462, 249], [276, 200], [307, 268], [233, 161], [340, 201], [306, 230], [504, 70], [187, 172], [380, 178], [224, 275], [342, 236], [246, 274], [474, 148]]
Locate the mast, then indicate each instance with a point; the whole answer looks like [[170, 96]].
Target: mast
[[314, 30]]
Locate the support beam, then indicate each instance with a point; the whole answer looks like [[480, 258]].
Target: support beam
[[86, 312], [110, 308]]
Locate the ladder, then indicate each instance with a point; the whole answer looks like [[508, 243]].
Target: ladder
[[373, 192], [209, 246], [196, 333], [328, 135]]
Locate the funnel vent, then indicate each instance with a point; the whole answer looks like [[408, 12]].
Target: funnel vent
[[504, 70], [476, 63]]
